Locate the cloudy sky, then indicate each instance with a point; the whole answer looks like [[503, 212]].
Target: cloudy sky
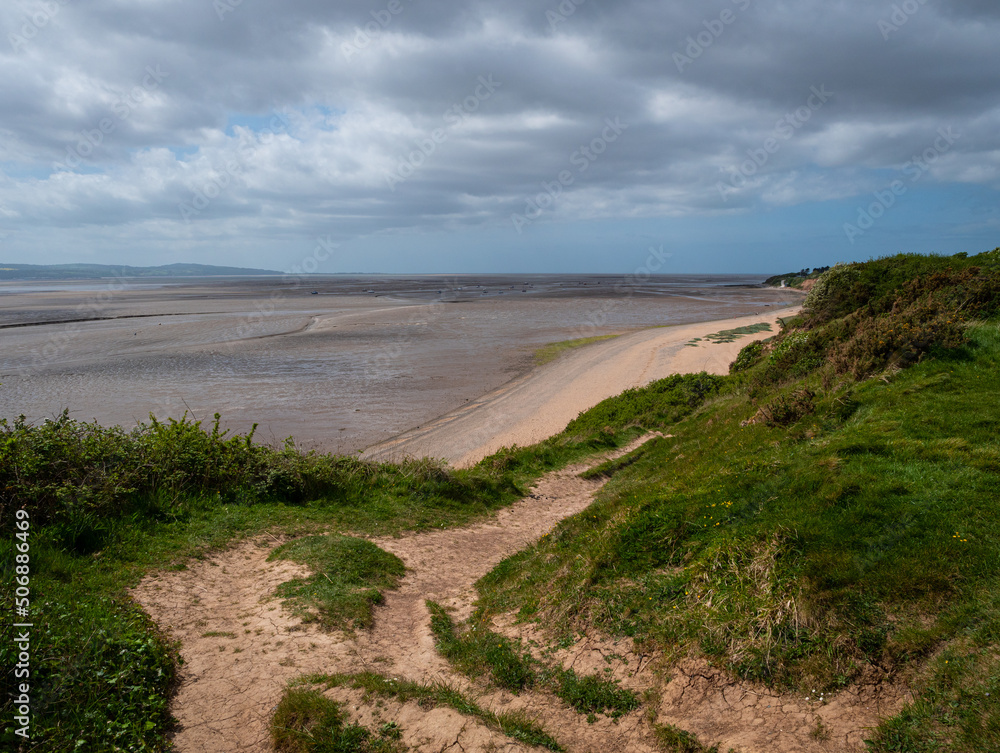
[[433, 136]]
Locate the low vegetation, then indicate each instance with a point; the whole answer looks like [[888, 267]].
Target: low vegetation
[[825, 513], [731, 335], [552, 351], [516, 725], [477, 652], [306, 721], [348, 577], [795, 279]]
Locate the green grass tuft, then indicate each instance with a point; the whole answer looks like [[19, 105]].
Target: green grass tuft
[[552, 351], [731, 335], [306, 721], [348, 579], [479, 651], [675, 740]]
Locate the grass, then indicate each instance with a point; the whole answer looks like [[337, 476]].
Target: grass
[[552, 351], [852, 535], [349, 576], [478, 651], [306, 721], [675, 740], [102, 674], [731, 335], [515, 725]]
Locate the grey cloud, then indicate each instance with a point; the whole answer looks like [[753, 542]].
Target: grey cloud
[[563, 69]]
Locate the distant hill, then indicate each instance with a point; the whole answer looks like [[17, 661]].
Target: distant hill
[[98, 271]]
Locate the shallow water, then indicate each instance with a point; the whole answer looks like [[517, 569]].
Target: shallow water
[[337, 362]]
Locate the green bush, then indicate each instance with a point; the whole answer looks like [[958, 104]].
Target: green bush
[[749, 355], [656, 405]]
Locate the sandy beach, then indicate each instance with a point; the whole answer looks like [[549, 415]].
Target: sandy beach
[[343, 364], [541, 403]]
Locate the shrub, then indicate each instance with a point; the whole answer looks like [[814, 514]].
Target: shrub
[[897, 339], [785, 410], [833, 290], [749, 356]]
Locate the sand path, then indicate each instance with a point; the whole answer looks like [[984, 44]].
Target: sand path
[[240, 646], [539, 404]]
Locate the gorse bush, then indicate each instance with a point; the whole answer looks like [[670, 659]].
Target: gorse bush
[[877, 285], [897, 339], [76, 474], [863, 319]]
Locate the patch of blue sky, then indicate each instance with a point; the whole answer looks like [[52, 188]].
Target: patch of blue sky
[[182, 152], [34, 171], [275, 121]]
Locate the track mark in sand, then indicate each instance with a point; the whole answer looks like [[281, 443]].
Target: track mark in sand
[[240, 646]]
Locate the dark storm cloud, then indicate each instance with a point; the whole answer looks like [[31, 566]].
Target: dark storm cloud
[[383, 121]]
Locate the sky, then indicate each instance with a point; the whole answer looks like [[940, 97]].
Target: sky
[[407, 136]]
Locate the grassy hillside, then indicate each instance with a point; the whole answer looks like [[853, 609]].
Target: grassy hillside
[[824, 513], [829, 514]]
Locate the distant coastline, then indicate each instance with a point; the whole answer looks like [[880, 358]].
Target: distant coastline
[[10, 271]]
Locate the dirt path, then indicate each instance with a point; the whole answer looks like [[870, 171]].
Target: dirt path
[[541, 403], [240, 648]]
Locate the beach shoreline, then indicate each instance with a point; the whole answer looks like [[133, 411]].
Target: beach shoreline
[[338, 365], [541, 402]]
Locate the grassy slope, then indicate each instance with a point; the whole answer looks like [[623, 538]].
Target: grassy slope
[[851, 530], [853, 525]]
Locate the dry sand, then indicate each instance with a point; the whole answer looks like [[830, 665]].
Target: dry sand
[[541, 403]]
